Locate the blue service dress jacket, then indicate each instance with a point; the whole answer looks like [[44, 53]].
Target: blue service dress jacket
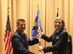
[[20, 43], [59, 42]]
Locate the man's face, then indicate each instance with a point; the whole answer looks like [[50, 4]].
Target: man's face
[[21, 26], [58, 24]]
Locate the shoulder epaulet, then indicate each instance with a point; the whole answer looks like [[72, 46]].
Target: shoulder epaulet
[[64, 30], [15, 33]]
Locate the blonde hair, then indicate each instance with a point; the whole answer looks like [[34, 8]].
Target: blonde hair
[[63, 23]]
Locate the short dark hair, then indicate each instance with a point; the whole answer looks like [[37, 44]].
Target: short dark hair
[[20, 20]]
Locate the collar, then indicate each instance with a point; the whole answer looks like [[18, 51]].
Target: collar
[[59, 31], [21, 33]]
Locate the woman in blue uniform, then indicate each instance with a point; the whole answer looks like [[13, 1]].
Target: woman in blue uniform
[[59, 39]]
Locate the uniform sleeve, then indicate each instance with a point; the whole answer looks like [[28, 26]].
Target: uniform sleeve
[[48, 39], [32, 42], [70, 44], [58, 44]]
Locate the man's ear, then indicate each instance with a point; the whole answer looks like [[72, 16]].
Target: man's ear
[[16, 24]]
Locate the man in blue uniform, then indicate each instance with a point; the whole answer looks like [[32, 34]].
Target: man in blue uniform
[[20, 41]]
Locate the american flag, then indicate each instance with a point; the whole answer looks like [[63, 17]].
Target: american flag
[[8, 38]]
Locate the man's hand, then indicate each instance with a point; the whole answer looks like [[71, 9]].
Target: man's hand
[[40, 48]]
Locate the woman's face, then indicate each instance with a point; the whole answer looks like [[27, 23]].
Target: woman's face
[[58, 24]]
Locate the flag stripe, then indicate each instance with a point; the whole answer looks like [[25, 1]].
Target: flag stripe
[[8, 38]]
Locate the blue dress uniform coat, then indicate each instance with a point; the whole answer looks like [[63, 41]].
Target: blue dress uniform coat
[[59, 42], [20, 43]]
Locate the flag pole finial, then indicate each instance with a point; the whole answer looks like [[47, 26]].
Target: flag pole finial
[[57, 12], [37, 6], [8, 8]]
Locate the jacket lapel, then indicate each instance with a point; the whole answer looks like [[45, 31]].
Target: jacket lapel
[[55, 35]]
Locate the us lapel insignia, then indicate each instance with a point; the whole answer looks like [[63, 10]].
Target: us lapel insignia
[[57, 37]]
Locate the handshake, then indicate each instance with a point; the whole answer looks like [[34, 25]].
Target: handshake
[[39, 36], [40, 49]]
